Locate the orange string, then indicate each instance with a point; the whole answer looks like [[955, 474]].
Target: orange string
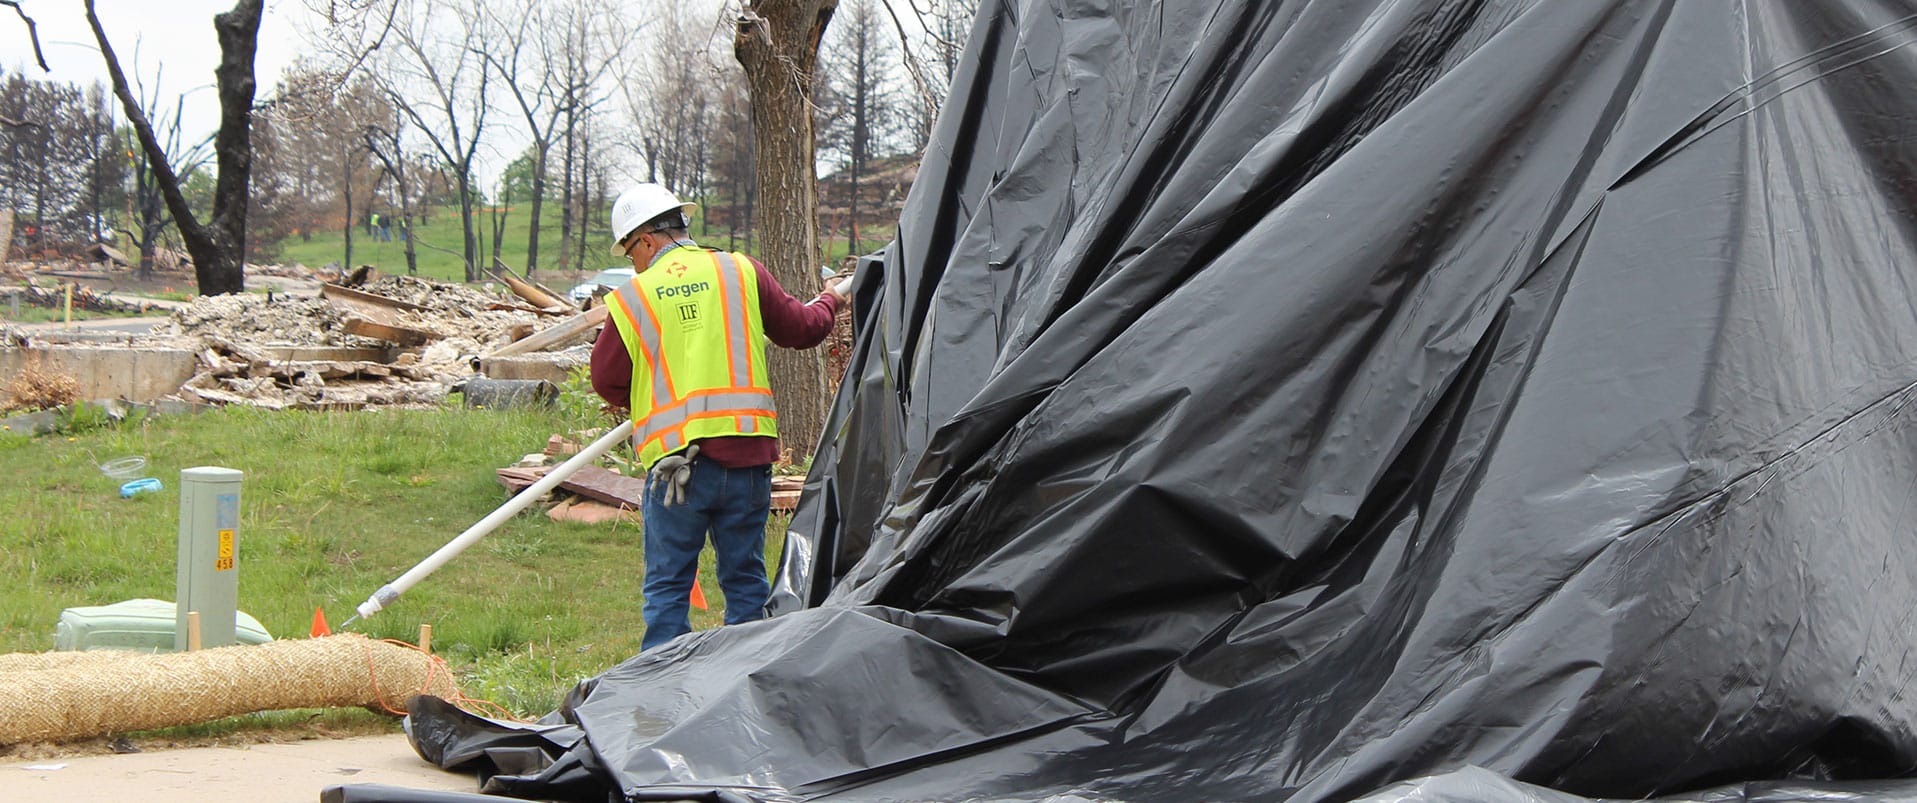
[[436, 665]]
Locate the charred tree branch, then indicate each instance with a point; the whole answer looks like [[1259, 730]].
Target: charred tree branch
[[33, 32]]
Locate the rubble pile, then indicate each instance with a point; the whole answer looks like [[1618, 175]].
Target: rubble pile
[[453, 311], [230, 373], [248, 318], [385, 341], [369, 340], [237, 336], [432, 295]]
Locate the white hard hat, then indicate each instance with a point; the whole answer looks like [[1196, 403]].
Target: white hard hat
[[639, 204]]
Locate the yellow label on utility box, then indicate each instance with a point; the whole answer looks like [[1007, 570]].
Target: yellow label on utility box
[[225, 560]]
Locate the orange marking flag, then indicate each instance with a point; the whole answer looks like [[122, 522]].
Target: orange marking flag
[[320, 627]]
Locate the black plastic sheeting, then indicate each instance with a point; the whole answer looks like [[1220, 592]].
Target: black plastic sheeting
[[1477, 784], [1286, 400]]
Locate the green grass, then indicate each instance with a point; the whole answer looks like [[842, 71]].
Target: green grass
[[334, 505], [440, 245]]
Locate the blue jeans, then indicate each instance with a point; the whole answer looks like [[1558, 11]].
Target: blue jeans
[[731, 503]]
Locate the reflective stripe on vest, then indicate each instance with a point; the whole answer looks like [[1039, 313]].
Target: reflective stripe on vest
[[693, 377], [639, 314]]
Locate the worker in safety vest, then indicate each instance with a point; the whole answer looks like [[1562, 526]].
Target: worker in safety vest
[[685, 350]]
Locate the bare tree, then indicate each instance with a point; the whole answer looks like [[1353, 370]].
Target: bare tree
[[436, 78], [732, 165], [777, 42], [858, 102], [355, 29], [532, 80], [497, 213], [552, 58], [930, 55], [313, 157], [218, 246], [61, 162], [673, 98], [153, 216], [591, 195], [104, 151], [386, 143], [43, 173], [33, 33], [584, 35]]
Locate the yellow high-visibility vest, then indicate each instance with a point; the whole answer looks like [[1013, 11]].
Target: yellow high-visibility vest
[[691, 324]]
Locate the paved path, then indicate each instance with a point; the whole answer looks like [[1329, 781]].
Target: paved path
[[262, 773], [124, 326]]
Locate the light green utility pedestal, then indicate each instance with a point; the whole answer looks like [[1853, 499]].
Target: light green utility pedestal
[[208, 573]]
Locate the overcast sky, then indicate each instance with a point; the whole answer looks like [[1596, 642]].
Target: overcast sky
[[174, 40], [176, 44]]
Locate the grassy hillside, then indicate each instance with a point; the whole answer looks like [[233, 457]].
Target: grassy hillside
[[439, 245]]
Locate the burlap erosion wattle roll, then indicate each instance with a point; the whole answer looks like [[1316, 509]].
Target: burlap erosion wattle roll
[[74, 695]]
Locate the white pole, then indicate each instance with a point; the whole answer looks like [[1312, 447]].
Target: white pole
[[524, 499]]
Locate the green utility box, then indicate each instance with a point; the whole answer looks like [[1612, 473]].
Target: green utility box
[[145, 625]]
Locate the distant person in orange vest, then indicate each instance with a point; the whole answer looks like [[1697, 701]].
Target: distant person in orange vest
[[684, 349]]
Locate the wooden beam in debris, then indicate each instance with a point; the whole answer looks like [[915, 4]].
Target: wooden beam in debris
[[558, 334], [786, 492], [402, 335], [605, 486], [501, 305], [535, 293], [518, 479], [591, 482], [377, 316], [358, 300], [531, 294]]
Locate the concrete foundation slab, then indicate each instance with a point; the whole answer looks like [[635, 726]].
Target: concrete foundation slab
[[107, 372], [553, 367]]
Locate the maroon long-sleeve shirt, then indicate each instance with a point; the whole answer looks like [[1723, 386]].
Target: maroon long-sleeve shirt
[[788, 323]]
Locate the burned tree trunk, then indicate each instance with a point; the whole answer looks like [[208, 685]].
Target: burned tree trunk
[[777, 43], [218, 246]]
